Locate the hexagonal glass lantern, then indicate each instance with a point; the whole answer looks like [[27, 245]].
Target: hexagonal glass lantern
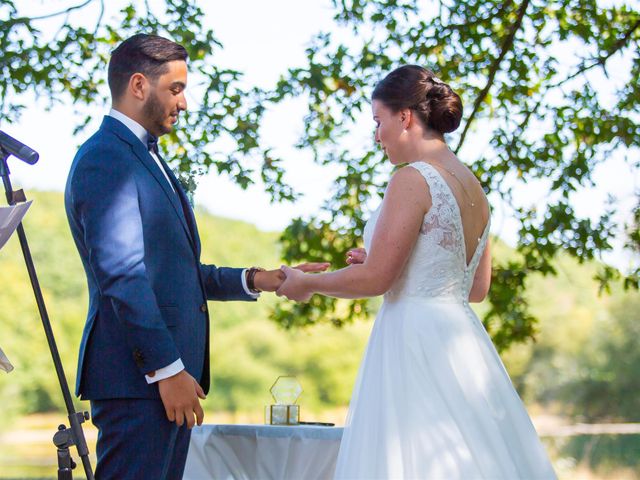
[[285, 391]]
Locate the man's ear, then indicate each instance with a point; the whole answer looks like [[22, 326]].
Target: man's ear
[[138, 86]]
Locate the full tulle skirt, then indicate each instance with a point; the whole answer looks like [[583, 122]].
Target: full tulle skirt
[[433, 401]]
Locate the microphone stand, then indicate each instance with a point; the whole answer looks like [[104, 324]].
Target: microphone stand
[[64, 437]]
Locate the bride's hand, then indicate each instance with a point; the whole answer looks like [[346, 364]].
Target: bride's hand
[[293, 286], [312, 267], [356, 256]]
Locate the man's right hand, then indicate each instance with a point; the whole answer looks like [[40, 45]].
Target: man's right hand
[[271, 280], [179, 395]]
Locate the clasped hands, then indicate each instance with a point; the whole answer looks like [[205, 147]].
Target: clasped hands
[[296, 285], [271, 280]]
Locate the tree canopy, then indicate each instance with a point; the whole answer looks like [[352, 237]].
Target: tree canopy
[[542, 85]]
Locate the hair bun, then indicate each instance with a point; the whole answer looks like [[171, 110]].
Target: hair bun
[[445, 108], [436, 105]]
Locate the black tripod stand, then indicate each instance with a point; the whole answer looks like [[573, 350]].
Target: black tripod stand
[[64, 437]]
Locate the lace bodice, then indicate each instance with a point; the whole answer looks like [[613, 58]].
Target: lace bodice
[[437, 266]]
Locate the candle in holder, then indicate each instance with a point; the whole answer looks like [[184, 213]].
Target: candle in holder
[[285, 391]]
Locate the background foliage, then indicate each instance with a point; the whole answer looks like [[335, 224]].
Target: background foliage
[[537, 112]]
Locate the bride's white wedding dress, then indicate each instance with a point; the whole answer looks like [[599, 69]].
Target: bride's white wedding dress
[[432, 399]]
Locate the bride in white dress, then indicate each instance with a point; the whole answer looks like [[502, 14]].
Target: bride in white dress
[[432, 399]]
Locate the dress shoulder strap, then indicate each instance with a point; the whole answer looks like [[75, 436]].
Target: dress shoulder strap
[[434, 180]]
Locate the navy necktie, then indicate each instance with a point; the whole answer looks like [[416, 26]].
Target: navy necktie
[[152, 144]]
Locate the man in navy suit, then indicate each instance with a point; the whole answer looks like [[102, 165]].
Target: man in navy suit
[[144, 355]]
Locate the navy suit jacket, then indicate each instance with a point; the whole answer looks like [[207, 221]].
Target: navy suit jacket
[[140, 249]]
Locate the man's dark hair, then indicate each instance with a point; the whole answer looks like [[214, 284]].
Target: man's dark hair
[[146, 54]]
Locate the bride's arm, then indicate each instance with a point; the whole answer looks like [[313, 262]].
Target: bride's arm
[[405, 203], [482, 278]]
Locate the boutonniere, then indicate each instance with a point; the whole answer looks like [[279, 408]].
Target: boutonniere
[[189, 182]]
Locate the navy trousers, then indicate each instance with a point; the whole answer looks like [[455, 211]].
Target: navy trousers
[[136, 441]]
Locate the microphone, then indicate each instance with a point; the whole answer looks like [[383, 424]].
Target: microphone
[[19, 150]]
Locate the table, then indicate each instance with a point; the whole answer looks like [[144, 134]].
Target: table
[[243, 452]]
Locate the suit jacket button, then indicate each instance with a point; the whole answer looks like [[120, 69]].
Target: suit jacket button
[[138, 357], [203, 308]]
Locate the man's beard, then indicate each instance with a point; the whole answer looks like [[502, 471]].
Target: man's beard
[[154, 111]]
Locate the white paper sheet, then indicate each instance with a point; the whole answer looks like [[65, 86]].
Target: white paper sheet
[[10, 218], [5, 364]]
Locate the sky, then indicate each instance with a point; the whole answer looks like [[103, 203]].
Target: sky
[[263, 39]]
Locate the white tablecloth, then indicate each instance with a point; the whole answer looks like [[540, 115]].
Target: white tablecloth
[[239, 452]]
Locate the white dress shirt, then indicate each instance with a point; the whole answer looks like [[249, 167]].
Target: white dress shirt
[[141, 133]]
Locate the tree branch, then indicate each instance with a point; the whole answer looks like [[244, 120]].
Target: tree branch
[[520, 128], [99, 22], [51, 15], [505, 47], [460, 26], [601, 60]]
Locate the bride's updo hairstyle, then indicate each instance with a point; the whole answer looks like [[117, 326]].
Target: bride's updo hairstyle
[[435, 103]]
